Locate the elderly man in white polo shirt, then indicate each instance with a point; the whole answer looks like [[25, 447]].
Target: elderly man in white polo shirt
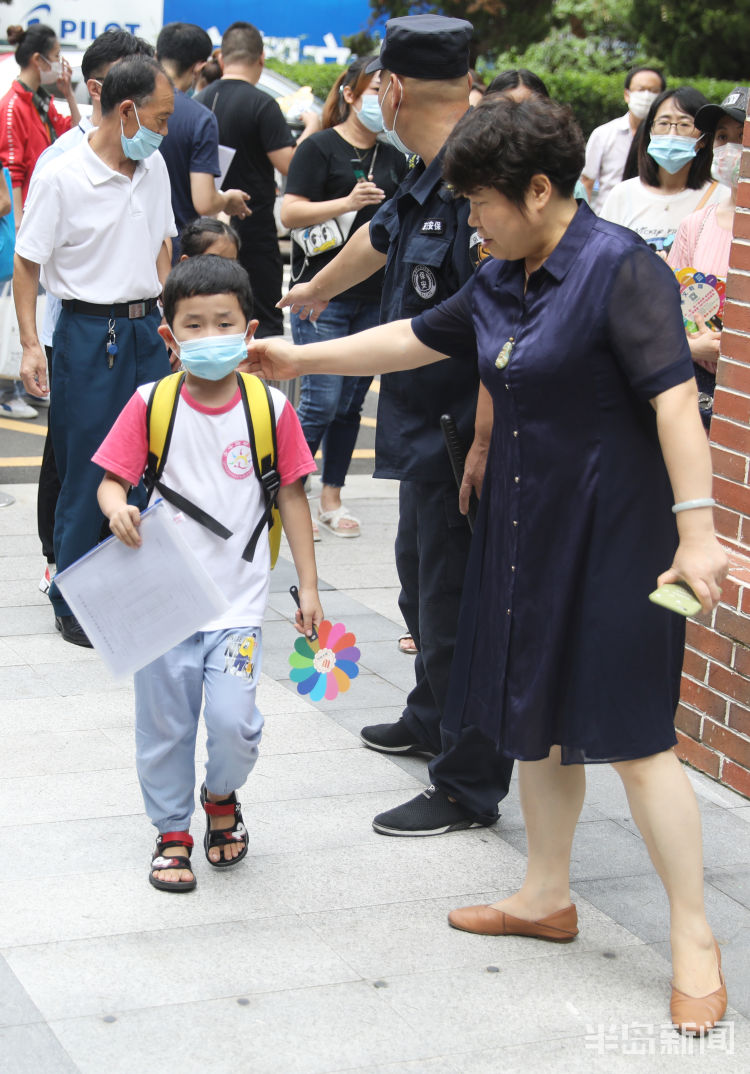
[[608, 147], [98, 225]]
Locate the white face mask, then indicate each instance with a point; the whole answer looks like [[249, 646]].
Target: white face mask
[[725, 166], [639, 102], [52, 73]]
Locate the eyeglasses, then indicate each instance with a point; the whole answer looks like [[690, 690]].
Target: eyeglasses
[[664, 126]]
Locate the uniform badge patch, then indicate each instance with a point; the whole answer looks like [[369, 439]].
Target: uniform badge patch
[[423, 281], [478, 252], [433, 227]]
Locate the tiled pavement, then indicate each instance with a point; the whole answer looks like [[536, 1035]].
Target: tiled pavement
[[328, 951]]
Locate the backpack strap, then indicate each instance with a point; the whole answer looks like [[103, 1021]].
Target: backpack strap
[[160, 417], [160, 414], [261, 424]]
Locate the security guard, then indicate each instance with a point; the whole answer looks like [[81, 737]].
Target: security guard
[[423, 237]]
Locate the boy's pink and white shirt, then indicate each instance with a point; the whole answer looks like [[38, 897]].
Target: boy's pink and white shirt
[[210, 463]]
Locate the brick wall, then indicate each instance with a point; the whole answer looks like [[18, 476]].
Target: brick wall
[[713, 719]]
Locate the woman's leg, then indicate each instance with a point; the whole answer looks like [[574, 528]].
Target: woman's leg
[[341, 436], [665, 809], [551, 799]]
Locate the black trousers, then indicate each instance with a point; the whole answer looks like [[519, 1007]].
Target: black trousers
[[432, 548], [49, 487], [260, 256]]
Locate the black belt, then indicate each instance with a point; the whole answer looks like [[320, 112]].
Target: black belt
[[132, 310]]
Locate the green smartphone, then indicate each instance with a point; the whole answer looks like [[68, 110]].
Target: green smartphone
[[676, 597]]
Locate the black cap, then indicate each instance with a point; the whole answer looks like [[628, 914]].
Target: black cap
[[425, 46], [734, 106]]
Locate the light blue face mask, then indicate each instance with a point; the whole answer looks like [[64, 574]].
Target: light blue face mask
[[213, 357], [143, 143], [390, 135], [672, 151], [369, 114]]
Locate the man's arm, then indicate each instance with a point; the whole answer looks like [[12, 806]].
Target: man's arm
[[356, 262], [281, 158], [209, 201], [164, 261], [33, 359]]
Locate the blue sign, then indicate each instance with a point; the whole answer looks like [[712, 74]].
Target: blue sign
[[312, 23]]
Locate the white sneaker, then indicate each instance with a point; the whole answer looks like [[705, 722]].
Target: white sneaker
[[46, 579], [37, 400], [16, 408]]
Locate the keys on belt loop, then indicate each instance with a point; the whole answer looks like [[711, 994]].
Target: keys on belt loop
[[111, 343]]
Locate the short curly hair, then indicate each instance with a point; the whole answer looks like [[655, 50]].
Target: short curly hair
[[503, 143]]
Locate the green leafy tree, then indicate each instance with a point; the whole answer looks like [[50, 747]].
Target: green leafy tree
[[697, 37], [498, 24]]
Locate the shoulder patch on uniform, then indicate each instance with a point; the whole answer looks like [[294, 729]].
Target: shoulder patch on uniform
[[433, 227]]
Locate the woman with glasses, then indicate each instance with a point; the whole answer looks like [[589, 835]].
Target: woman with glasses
[[674, 168]]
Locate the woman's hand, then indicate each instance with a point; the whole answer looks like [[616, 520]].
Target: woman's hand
[[364, 193], [702, 563], [63, 83], [704, 346], [273, 358]]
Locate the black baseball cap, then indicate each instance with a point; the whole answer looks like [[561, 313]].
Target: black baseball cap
[[431, 47], [734, 106]]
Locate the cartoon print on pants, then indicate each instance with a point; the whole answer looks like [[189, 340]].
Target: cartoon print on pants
[[238, 655]]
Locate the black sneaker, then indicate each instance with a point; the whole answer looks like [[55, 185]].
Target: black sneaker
[[392, 738], [430, 813]]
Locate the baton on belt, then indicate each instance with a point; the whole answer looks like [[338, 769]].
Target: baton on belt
[[457, 456]]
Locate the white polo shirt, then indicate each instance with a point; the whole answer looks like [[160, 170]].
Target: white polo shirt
[[606, 153], [95, 232]]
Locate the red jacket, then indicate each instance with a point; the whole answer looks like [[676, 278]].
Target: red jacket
[[24, 135]]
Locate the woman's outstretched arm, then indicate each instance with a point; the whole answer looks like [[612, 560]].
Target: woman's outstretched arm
[[385, 349]]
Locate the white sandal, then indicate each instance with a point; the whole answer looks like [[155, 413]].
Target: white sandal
[[331, 519]]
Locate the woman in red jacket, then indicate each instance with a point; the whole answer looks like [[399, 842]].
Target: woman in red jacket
[[29, 122]]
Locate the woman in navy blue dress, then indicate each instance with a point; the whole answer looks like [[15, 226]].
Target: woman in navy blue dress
[[577, 329]]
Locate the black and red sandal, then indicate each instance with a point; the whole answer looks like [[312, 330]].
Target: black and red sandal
[[160, 861], [219, 837]]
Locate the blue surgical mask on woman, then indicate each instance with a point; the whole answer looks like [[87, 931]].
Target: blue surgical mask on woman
[[390, 135], [369, 114], [143, 143], [213, 357], [672, 151]]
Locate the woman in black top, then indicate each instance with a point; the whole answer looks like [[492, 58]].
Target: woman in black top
[[340, 174]]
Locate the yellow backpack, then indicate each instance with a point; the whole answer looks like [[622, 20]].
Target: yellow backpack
[[261, 428]]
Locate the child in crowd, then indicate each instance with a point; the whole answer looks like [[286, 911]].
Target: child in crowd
[[208, 309], [207, 235]]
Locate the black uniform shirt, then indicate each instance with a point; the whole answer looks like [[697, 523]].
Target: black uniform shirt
[[425, 233]]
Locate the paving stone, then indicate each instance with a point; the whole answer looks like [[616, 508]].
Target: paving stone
[[16, 1007], [127, 972], [34, 1049], [298, 1031]]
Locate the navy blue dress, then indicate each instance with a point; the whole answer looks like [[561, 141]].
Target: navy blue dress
[[558, 642]]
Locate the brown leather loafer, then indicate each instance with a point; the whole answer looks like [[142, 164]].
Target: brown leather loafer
[[560, 927], [698, 1014]]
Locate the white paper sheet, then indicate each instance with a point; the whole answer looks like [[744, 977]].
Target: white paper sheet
[[226, 156], [135, 604]]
